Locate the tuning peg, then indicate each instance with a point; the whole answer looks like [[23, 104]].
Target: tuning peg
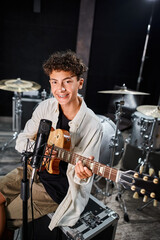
[[135, 195], [142, 191], [141, 169], [151, 171], [145, 198], [145, 178], [152, 195], [136, 175], [155, 203], [133, 188], [155, 181]]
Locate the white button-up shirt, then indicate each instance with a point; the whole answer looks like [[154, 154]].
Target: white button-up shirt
[[86, 135]]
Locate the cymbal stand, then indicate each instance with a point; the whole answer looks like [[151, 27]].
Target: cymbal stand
[[114, 144], [17, 110], [119, 198], [114, 152]]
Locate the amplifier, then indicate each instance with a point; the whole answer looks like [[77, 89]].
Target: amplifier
[[96, 222]]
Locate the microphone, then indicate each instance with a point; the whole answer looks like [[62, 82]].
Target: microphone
[[40, 144]]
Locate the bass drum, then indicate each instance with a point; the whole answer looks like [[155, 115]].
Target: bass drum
[[109, 128]]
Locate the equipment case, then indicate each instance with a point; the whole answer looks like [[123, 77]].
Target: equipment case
[[96, 222]]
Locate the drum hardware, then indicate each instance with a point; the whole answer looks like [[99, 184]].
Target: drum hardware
[[123, 91], [121, 202], [144, 165], [114, 140], [43, 95], [114, 152], [118, 114], [150, 110], [142, 125], [115, 145], [109, 128], [17, 86], [119, 198], [18, 115], [147, 147]]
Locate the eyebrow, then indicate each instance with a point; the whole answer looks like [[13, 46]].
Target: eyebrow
[[63, 78]]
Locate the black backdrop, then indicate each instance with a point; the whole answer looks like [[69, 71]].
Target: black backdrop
[[119, 31], [118, 40]]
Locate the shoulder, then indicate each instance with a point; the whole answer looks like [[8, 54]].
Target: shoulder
[[91, 117], [48, 103]]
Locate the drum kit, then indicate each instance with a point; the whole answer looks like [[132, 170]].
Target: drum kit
[[18, 86], [145, 135], [149, 120]]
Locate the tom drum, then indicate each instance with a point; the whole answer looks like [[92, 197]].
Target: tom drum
[[141, 130]]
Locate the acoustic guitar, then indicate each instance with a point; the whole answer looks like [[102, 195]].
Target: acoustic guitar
[[60, 141]]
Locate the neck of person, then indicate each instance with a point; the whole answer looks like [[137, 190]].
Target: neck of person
[[71, 110]]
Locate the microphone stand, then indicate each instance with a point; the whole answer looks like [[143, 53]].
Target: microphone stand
[[25, 194], [139, 80]]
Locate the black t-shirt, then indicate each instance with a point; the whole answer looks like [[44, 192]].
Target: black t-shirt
[[56, 185]]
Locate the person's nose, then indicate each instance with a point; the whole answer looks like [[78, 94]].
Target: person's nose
[[61, 87]]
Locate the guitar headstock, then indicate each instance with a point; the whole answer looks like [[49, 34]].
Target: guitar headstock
[[141, 184]]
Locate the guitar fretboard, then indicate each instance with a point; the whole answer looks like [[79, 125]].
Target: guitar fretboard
[[96, 167]]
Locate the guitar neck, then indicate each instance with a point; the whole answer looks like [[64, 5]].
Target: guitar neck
[[96, 167]]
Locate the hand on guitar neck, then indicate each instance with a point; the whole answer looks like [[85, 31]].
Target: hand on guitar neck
[[81, 171]]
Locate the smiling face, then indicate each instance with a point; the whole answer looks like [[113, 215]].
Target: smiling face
[[64, 87]]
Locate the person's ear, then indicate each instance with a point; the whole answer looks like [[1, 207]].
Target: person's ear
[[81, 80]]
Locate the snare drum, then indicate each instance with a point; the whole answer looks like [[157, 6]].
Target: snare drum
[[109, 128], [141, 130]]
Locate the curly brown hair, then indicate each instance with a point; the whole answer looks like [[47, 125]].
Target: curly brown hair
[[65, 61]]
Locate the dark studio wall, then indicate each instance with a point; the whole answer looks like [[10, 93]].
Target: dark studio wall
[[28, 38], [119, 31], [119, 34]]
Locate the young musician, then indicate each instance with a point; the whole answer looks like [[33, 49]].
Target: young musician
[[67, 192]]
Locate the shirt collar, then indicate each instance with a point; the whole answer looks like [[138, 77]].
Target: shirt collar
[[80, 115]]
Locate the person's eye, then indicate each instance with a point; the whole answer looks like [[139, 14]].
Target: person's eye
[[68, 81], [53, 82]]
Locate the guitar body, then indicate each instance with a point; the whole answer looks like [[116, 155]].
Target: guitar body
[[59, 138]]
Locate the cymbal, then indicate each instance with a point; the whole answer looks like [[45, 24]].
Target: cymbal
[[19, 85], [123, 91], [149, 110]]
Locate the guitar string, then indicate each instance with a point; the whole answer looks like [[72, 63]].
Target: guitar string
[[108, 169], [97, 164]]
